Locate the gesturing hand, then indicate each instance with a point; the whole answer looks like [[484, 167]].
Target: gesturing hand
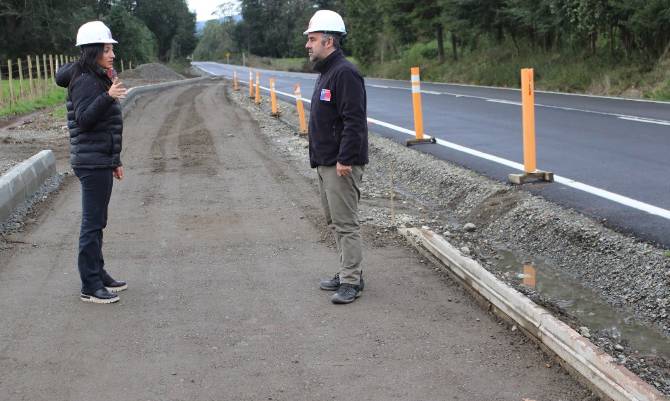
[[117, 91]]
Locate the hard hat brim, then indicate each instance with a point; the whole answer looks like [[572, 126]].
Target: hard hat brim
[[105, 41]]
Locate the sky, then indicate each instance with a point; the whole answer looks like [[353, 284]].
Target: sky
[[204, 8]]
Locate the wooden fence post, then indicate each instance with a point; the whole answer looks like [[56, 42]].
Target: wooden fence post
[[31, 84], [11, 83], [45, 84], [51, 65], [18, 62]]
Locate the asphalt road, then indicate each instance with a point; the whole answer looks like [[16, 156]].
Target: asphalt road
[[609, 154], [221, 242]]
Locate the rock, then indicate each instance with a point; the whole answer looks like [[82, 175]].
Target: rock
[[465, 250], [585, 331], [469, 227], [618, 347]]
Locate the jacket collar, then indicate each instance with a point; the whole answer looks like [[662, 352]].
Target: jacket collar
[[324, 65]]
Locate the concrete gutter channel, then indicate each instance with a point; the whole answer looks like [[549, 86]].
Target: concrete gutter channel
[[593, 367], [22, 181]]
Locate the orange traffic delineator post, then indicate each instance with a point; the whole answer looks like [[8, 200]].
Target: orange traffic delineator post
[[301, 110], [531, 173], [418, 113], [257, 98], [236, 84], [273, 99], [251, 84]]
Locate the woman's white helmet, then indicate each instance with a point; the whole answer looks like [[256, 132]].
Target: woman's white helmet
[[94, 32], [326, 21]]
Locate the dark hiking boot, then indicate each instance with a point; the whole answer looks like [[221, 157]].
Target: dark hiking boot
[[346, 294], [116, 286], [334, 283], [101, 296]]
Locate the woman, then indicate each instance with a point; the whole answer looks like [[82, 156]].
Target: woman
[[96, 125]]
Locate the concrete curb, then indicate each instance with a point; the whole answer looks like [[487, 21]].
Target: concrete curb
[[23, 180], [597, 369]]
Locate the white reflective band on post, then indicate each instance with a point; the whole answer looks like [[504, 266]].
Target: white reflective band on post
[[416, 84]]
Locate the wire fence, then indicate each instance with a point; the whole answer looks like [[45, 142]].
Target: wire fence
[[31, 77]]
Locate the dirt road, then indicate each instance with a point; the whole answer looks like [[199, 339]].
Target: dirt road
[[221, 241]]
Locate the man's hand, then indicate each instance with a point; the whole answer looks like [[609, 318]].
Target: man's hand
[[342, 170], [118, 173], [117, 91]]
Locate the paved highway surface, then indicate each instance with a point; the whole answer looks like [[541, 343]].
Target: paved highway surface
[[610, 155]]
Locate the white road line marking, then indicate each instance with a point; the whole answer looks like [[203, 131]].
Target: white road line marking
[[611, 196], [644, 120], [504, 102]]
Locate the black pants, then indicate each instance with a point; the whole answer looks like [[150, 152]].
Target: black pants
[[96, 190]]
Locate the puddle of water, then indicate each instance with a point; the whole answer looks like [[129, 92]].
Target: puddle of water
[[584, 304]]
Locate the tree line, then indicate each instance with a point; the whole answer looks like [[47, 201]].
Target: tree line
[[146, 30], [380, 29]]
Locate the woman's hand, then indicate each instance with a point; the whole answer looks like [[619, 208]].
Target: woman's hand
[[118, 173], [117, 91]]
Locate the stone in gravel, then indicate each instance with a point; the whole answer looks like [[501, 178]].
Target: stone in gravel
[[465, 250], [585, 331], [469, 227], [618, 347]]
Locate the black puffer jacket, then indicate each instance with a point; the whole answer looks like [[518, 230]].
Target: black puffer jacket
[[94, 118]]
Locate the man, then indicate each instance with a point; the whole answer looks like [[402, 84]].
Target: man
[[338, 147]]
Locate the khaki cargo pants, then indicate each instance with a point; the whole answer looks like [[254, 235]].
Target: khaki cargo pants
[[339, 197]]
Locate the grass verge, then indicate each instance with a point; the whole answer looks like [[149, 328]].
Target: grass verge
[[53, 97]]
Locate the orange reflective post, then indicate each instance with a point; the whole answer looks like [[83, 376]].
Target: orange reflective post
[[528, 102], [273, 98], [251, 85], [257, 99], [530, 171], [236, 85], [301, 110], [416, 102], [418, 112]]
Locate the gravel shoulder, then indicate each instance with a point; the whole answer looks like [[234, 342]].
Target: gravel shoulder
[[499, 225], [218, 230]]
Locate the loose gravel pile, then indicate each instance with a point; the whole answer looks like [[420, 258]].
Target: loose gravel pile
[[151, 72], [403, 187]]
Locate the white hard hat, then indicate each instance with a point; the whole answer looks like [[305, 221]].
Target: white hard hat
[[94, 32], [326, 21]]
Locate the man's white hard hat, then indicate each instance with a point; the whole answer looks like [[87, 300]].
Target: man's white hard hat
[[326, 21], [94, 32]]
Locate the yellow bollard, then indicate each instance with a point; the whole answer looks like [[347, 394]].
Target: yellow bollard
[[273, 99], [528, 123], [257, 99], [236, 84], [418, 113], [301, 110], [251, 84]]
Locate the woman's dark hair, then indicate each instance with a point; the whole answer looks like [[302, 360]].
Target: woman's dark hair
[[88, 61]]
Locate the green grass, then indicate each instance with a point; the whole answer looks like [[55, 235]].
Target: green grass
[[53, 97], [564, 72], [667, 254]]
